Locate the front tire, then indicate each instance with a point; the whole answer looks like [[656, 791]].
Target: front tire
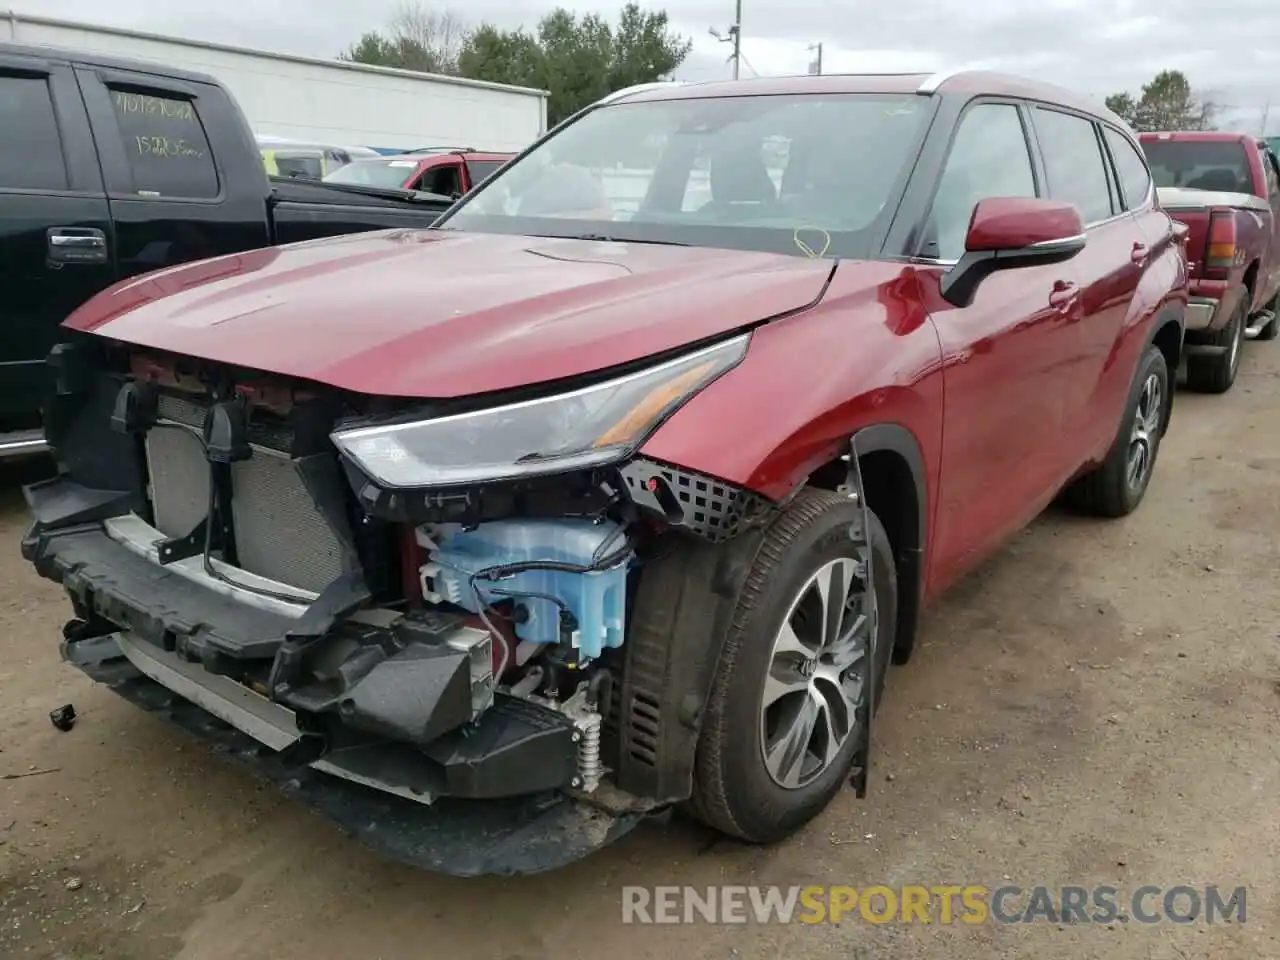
[[782, 722], [1115, 488]]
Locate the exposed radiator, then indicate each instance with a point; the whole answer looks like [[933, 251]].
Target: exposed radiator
[[279, 532]]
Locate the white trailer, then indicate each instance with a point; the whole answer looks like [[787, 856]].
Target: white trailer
[[322, 101]]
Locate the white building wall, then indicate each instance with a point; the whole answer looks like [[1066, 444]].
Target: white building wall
[[320, 100]]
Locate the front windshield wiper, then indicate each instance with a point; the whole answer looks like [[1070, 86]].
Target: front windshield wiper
[[605, 238]]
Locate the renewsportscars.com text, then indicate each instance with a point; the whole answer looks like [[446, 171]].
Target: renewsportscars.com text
[[937, 904]]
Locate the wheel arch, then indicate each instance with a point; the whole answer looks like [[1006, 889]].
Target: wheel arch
[[1167, 335], [1251, 280], [895, 485], [688, 597]]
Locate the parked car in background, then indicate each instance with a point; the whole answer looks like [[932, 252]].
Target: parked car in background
[[305, 164], [447, 171], [1226, 188], [491, 539], [110, 168], [296, 158]]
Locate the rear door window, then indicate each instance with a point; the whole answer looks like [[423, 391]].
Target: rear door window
[[1073, 162], [31, 155], [165, 144], [1135, 179]]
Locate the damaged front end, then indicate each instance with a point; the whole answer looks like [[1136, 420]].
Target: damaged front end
[[415, 618]]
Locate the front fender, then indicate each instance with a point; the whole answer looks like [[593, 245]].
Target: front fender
[[860, 372], [866, 355]]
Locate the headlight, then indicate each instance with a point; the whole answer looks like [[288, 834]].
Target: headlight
[[591, 427]]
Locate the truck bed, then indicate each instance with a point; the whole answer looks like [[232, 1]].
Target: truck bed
[[1192, 207], [307, 209]]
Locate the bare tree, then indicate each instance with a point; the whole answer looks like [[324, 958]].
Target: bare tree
[[440, 33], [417, 38]]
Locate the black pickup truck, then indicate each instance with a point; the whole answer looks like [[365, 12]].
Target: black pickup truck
[[110, 168]]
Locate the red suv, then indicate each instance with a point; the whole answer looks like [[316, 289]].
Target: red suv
[[621, 486], [448, 171]]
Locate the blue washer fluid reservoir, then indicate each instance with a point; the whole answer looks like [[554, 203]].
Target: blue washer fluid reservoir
[[597, 599]]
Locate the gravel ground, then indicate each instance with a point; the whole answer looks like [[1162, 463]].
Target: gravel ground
[[1099, 704]]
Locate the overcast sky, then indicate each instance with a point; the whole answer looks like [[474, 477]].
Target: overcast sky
[[1094, 46]]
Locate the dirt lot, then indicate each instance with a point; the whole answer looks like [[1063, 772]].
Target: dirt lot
[[1099, 705]]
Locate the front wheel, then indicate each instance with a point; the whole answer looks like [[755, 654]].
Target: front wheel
[[809, 639], [1117, 486]]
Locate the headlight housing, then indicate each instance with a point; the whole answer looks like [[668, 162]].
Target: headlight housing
[[591, 427]]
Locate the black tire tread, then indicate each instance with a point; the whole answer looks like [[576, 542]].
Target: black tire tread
[[1102, 491], [1213, 374], [709, 802]]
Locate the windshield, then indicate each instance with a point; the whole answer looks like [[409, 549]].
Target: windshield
[[1199, 165], [375, 173], [309, 166], [805, 175]]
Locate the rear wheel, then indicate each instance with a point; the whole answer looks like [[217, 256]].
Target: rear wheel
[[1117, 486], [809, 638], [1216, 373]]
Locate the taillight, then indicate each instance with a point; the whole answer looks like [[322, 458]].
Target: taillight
[[1221, 251]]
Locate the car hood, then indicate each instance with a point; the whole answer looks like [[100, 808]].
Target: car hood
[[419, 313]]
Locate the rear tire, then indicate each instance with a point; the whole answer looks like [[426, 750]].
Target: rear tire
[[1118, 485], [1216, 374], [747, 784]]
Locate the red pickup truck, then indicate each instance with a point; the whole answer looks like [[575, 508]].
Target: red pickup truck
[[448, 171], [1226, 188]]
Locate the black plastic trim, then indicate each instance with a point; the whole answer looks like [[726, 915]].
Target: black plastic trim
[[707, 506], [108, 579], [909, 556]]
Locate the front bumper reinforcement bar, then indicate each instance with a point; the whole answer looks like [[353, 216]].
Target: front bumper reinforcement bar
[[462, 837]]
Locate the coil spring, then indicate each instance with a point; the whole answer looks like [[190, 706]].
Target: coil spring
[[589, 768]]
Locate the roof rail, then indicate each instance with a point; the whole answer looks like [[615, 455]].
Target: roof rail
[[441, 150], [936, 80], [637, 88]]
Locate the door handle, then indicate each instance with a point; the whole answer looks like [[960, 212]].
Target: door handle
[[77, 245], [1139, 253], [1064, 295]]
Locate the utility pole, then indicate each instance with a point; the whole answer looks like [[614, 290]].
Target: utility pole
[[815, 68], [736, 31], [734, 37], [1266, 114]]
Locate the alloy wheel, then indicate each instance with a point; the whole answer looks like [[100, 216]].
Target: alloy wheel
[[1145, 434], [819, 674]]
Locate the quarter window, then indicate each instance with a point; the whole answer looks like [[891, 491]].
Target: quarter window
[[989, 158], [1135, 178], [30, 145], [165, 144], [1073, 163]]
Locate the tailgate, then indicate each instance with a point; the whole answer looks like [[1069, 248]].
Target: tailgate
[[1192, 211]]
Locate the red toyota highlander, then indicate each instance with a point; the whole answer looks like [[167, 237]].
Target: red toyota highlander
[[621, 487]]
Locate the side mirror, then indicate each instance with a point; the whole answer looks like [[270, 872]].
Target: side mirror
[[1010, 232]]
